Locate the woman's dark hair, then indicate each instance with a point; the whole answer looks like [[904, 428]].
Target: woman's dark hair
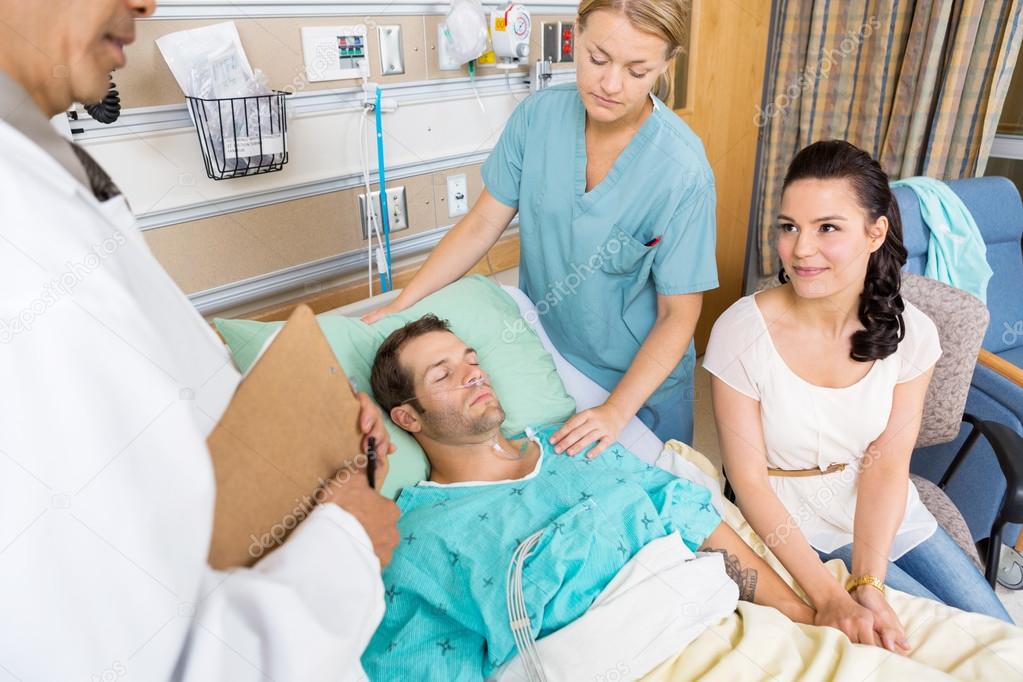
[[881, 304]]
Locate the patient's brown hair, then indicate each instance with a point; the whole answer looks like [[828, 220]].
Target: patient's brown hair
[[392, 384]]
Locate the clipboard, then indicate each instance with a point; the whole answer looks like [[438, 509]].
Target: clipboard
[[292, 423]]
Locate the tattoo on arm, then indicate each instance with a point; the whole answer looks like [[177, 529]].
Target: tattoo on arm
[[745, 578]]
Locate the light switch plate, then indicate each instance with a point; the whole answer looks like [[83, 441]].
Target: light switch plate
[[458, 195], [392, 55], [397, 210]]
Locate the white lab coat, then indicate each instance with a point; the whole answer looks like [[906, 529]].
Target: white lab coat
[[110, 382]]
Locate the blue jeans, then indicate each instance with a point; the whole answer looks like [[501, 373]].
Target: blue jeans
[[937, 569], [671, 417]]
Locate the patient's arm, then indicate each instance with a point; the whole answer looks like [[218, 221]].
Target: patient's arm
[[757, 581]]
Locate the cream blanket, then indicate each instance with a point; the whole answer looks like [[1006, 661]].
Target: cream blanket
[[758, 643]]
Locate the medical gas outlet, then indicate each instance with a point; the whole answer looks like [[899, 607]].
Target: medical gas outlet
[[335, 52], [397, 210]]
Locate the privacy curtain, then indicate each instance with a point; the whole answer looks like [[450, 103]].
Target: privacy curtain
[[918, 84]]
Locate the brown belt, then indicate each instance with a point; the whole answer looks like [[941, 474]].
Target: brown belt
[[834, 468]]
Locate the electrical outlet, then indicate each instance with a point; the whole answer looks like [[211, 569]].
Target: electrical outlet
[[397, 211], [567, 49], [458, 199]]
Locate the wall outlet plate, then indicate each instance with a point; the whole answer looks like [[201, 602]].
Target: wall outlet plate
[[567, 41], [458, 195], [445, 62], [549, 41], [397, 210], [334, 52], [392, 55]]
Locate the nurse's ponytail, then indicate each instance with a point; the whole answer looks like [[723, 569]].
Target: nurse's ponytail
[[881, 304], [666, 19]]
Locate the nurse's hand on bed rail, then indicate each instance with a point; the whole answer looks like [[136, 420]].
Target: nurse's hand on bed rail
[[600, 425]]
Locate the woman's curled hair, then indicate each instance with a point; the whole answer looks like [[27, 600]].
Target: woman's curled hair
[[881, 304]]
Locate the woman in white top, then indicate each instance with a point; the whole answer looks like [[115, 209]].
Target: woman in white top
[[818, 390]]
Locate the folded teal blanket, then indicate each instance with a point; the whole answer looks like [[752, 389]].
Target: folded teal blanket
[[956, 252]]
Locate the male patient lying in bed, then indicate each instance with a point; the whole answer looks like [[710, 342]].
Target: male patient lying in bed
[[447, 610]]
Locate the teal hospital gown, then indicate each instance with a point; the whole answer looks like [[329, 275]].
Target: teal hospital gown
[[446, 610]]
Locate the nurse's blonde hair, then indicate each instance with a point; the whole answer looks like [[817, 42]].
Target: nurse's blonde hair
[[666, 19]]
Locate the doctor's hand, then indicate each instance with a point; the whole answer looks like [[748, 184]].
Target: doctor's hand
[[887, 626], [377, 515], [600, 425], [371, 424]]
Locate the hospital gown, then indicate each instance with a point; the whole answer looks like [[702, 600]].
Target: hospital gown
[[445, 588]]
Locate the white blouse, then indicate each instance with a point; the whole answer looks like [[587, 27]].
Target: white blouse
[[809, 426]]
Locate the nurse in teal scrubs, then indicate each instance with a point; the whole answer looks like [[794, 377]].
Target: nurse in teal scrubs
[[616, 218]]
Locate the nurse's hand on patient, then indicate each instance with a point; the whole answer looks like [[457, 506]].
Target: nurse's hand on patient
[[886, 624], [600, 425]]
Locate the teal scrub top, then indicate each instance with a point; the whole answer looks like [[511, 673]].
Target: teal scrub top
[[447, 612], [593, 262]]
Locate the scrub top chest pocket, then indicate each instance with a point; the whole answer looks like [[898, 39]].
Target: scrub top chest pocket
[[626, 255]]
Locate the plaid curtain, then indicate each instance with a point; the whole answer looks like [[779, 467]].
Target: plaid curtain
[[920, 85]]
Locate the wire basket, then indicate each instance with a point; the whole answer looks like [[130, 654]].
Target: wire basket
[[241, 136]]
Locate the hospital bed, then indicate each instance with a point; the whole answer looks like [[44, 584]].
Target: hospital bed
[[755, 642]]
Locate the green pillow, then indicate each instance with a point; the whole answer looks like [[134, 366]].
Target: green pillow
[[481, 314]]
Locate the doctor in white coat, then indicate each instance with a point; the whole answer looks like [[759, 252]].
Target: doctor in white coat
[[110, 382]]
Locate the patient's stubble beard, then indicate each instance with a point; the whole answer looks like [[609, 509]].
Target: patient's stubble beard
[[457, 428]]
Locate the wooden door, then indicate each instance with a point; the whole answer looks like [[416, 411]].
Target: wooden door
[[725, 80]]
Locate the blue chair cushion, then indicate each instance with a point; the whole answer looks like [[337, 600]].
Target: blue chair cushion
[[996, 206]]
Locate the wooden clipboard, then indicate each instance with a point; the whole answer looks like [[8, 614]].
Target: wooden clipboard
[[291, 425]]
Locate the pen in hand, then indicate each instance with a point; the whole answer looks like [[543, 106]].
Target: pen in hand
[[371, 461]]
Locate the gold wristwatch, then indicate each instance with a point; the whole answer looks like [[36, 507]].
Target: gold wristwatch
[[871, 580]]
